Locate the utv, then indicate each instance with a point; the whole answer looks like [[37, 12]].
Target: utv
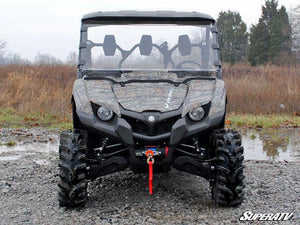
[[149, 96]]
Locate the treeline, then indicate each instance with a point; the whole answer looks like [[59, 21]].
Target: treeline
[[39, 59], [274, 39]]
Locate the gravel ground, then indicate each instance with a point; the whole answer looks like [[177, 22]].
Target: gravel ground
[[28, 190]]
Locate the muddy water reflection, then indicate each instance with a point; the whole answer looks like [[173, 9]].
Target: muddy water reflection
[[38, 152], [272, 144]]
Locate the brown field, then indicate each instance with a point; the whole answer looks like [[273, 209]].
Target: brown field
[[45, 89], [263, 89], [255, 90]]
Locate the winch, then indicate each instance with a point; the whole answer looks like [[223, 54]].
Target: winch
[[157, 151]]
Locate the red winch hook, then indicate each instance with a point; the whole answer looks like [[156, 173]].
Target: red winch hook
[[150, 161]]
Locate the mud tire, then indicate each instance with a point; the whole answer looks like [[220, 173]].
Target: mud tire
[[72, 170], [227, 183]]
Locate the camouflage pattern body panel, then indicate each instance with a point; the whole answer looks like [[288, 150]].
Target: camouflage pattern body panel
[[219, 99], [80, 96], [97, 91], [200, 92], [150, 75], [100, 92], [140, 97]]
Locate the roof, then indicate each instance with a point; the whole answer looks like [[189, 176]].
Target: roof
[[148, 16]]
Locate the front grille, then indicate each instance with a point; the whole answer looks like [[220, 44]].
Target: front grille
[[137, 126], [139, 123], [165, 126], [151, 129]]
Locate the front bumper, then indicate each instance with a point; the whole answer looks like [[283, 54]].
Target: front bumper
[[120, 129]]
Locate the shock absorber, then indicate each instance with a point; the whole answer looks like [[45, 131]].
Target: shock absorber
[[196, 143], [105, 142], [198, 149], [102, 147]]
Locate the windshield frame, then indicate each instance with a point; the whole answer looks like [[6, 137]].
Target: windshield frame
[[93, 23]]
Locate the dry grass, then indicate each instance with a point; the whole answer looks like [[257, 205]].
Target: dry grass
[[265, 89], [47, 89], [44, 89]]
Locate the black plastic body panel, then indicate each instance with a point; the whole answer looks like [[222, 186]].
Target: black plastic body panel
[[120, 129], [146, 16]]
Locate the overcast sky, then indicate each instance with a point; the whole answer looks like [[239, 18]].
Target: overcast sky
[[52, 27]]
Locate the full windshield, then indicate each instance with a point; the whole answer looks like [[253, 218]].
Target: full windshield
[[162, 47]]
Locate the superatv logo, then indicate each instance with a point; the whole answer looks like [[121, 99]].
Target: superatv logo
[[249, 216]]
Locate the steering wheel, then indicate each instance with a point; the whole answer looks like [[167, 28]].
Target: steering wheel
[[179, 65]]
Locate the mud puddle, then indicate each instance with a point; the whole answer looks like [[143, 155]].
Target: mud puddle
[[41, 153], [272, 144], [41, 146], [37, 145]]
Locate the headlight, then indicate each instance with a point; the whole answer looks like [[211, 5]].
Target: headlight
[[197, 114], [104, 113]]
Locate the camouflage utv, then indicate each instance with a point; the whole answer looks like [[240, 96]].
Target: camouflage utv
[[149, 96]]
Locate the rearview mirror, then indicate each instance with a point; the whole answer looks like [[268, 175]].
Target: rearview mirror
[[109, 45], [184, 45], [146, 45]]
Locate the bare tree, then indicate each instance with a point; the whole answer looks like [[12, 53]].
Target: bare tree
[[72, 58], [2, 47], [2, 51], [46, 59]]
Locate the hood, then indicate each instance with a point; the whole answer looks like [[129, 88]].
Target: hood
[[141, 97]]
